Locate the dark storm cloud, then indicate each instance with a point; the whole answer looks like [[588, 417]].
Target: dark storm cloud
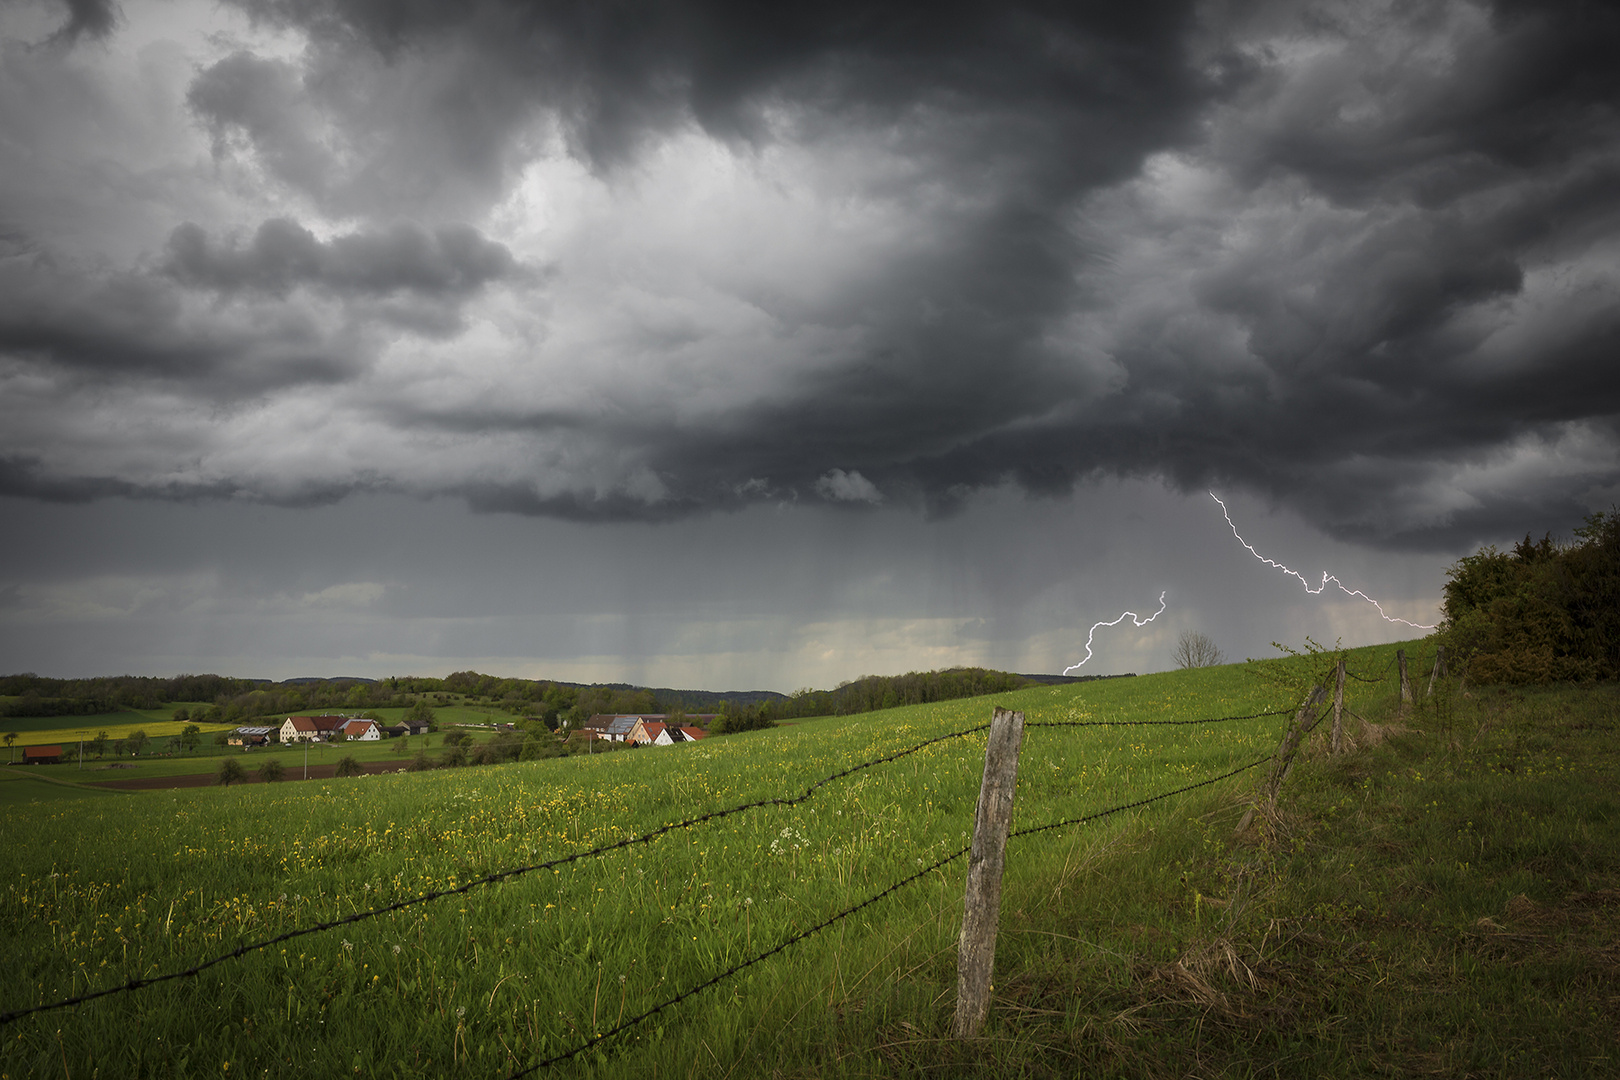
[[1112, 78], [1356, 258], [134, 326], [87, 18], [451, 261]]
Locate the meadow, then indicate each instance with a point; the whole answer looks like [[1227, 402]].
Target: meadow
[[499, 978]]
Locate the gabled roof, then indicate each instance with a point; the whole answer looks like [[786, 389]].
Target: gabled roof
[[653, 729], [41, 751], [358, 727], [317, 723], [694, 733]]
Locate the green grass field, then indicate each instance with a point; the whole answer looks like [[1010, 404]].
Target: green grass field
[[1435, 900]]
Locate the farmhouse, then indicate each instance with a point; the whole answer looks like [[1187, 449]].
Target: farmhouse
[[641, 728], [310, 728], [362, 730], [658, 733]]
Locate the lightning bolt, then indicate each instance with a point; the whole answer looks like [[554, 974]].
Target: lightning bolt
[[1326, 577], [1133, 616]]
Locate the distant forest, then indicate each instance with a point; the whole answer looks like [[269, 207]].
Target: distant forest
[[558, 704]]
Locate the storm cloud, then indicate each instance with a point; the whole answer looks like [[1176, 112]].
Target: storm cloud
[[651, 261]]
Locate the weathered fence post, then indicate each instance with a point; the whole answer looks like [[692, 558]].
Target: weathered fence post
[[1406, 683], [1439, 669], [976, 954], [1338, 705], [1283, 763]]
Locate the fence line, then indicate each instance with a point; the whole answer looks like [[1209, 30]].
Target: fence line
[[1153, 723], [626, 842], [488, 879], [1380, 677], [874, 898]]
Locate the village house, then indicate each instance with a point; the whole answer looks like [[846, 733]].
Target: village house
[[362, 731], [643, 729], [310, 728], [658, 733]]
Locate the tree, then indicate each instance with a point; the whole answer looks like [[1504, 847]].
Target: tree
[[190, 736], [182, 714], [11, 737], [98, 745], [454, 756], [230, 772], [347, 766], [138, 741], [1195, 649], [421, 712], [271, 771]]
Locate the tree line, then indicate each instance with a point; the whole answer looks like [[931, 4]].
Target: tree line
[[556, 704]]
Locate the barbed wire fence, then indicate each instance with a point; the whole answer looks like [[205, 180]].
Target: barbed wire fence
[[500, 876]]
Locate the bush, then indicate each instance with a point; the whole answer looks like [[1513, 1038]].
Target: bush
[[536, 748], [420, 763], [349, 767], [230, 772], [271, 771], [454, 756], [1541, 613]]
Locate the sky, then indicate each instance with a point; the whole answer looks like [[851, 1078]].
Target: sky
[[729, 345]]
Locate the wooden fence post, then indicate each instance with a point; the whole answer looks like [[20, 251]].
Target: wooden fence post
[[1283, 763], [1338, 705], [1439, 669], [981, 909], [1406, 683]]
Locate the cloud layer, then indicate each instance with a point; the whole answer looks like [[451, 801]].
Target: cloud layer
[[614, 261]]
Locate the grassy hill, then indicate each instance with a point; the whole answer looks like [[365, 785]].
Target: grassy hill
[[1441, 899]]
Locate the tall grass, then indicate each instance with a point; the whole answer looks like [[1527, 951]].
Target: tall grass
[[505, 975]]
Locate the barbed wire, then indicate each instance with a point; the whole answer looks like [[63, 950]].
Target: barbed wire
[[488, 879], [1032, 830], [1153, 723], [1380, 677], [852, 909], [240, 951]]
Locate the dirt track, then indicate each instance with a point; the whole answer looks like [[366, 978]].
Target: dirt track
[[208, 779]]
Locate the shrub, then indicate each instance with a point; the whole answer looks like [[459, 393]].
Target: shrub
[[230, 772], [271, 771], [1540, 613], [537, 747], [455, 755], [420, 763], [349, 767]]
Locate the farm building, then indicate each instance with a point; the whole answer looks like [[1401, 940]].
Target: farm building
[[634, 727], [362, 730], [41, 755], [310, 728], [251, 736]]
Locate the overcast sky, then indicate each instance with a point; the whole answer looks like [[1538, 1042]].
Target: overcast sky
[[731, 345]]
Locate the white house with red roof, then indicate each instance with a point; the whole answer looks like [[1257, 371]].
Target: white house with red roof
[[311, 728], [362, 731]]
